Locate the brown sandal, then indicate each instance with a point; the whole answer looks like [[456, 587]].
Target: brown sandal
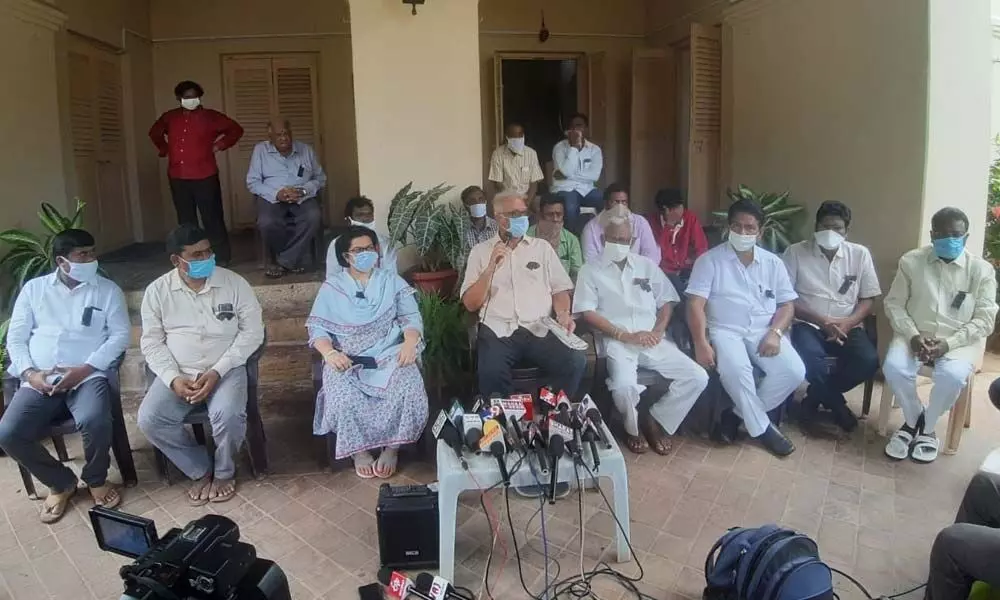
[[50, 513], [637, 444], [110, 498], [658, 441], [197, 488]]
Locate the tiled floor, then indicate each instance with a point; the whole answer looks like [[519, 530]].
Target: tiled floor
[[872, 518]]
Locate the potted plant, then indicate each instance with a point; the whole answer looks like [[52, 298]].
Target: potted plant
[[30, 255], [446, 341], [436, 229], [781, 218]]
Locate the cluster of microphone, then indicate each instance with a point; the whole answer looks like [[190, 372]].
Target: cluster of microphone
[[426, 586], [503, 425]]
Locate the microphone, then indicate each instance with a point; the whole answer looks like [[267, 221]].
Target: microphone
[[492, 442], [444, 429], [437, 588], [537, 443], [589, 435], [455, 413], [472, 425], [399, 585], [546, 396], [559, 433], [594, 416], [477, 403]]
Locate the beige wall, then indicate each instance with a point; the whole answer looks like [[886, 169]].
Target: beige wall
[[189, 48], [31, 163], [416, 106], [833, 116], [668, 21]]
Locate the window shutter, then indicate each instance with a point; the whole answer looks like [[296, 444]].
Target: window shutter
[[81, 106], [652, 142], [295, 90], [706, 118], [249, 94]]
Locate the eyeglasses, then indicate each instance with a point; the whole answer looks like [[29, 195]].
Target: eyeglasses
[[360, 250]]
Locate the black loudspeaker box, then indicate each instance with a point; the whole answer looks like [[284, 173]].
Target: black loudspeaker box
[[407, 518]]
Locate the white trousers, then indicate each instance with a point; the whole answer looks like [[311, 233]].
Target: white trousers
[[735, 357], [949, 377], [688, 380]]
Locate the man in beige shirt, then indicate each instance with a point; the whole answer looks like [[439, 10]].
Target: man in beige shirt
[[837, 285], [514, 167], [942, 306], [200, 324], [513, 281]]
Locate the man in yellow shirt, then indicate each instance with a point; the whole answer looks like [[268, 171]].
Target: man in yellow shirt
[[942, 306]]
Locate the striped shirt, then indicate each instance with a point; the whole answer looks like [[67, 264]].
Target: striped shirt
[[515, 172], [473, 236]]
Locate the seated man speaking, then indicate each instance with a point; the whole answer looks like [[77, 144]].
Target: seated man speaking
[[513, 281], [739, 308], [627, 297], [837, 285], [200, 324], [286, 176]]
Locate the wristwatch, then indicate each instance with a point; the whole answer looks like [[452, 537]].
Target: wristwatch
[[778, 332]]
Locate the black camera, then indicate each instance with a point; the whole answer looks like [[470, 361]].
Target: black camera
[[204, 560]]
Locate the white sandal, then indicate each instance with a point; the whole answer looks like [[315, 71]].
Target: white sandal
[[898, 447], [925, 449]]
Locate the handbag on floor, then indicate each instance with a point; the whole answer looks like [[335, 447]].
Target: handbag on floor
[[766, 563]]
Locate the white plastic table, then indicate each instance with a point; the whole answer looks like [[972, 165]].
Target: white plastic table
[[453, 480]]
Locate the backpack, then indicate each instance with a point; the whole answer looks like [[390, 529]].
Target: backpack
[[766, 563]]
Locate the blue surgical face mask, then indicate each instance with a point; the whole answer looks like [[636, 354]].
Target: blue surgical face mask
[[949, 248], [365, 261], [201, 269], [517, 226]]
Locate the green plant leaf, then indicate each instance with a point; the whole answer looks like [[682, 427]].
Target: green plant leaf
[[21, 237], [77, 221], [51, 219], [746, 193], [786, 212]]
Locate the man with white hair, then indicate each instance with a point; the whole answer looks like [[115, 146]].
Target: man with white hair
[[627, 298], [286, 176], [514, 281]]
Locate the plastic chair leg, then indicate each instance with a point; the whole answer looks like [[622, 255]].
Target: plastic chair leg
[[60, 445], [29, 483]]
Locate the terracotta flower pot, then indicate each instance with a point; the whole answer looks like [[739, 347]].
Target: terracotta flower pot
[[441, 283]]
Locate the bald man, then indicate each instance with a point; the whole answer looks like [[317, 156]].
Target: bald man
[[286, 176]]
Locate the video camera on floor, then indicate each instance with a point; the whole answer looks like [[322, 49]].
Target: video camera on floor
[[205, 560]]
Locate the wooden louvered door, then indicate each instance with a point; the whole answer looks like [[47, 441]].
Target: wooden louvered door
[[257, 88], [652, 164], [705, 119], [98, 139]]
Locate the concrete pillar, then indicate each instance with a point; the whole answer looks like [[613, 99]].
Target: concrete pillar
[[416, 96], [31, 157], [958, 112]]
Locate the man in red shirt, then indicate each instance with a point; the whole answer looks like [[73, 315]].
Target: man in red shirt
[[678, 232], [189, 136]]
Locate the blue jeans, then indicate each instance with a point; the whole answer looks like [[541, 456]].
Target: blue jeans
[[857, 361], [573, 200]]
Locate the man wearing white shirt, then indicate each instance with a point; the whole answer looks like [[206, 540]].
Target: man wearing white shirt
[[66, 329], [578, 164], [360, 210], [627, 298], [200, 324], [942, 306], [837, 286], [740, 305], [286, 176]]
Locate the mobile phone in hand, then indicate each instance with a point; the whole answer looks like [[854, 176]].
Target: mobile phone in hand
[[366, 362]]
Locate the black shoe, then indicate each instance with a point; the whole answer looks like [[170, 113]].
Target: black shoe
[[844, 418], [728, 428], [776, 442]]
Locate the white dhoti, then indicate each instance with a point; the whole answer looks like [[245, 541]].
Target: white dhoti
[[687, 377], [951, 372], [735, 357]]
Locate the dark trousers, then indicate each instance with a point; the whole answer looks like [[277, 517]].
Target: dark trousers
[[29, 417], [857, 361], [288, 229], [969, 550], [562, 368], [574, 200], [204, 196]]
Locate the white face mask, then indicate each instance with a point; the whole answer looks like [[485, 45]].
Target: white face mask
[[615, 252], [477, 210], [82, 272], [362, 224], [828, 239], [190, 103], [516, 144], [742, 243]]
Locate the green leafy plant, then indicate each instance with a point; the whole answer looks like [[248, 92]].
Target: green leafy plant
[[445, 339], [434, 227], [781, 218], [991, 242], [29, 255]]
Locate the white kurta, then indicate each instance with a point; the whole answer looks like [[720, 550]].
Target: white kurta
[[630, 297], [740, 303]]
